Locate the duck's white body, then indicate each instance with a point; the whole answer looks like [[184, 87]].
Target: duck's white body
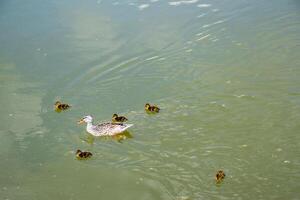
[[104, 129]]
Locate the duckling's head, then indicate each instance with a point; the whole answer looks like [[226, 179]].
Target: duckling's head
[[86, 119], [57, 103], [147, 105], [221, 172], [114, 116], [78, 151]]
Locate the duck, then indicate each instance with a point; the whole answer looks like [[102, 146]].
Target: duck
[[58, 106], [220, 176], [103, 129], [116, 118], [83, 154], [152, 109]]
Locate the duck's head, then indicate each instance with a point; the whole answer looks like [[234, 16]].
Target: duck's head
[[147, 105], [86, 119], [114, 116], [57, 103], [78, 151]]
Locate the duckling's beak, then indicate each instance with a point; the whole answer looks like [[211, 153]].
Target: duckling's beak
[[80, 121]]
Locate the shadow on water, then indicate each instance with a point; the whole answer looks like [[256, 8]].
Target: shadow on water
[[90, 139]]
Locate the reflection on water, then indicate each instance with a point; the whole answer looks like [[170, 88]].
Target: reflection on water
[[90, 139], [224, 73]]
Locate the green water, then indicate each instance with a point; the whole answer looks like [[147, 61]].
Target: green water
[[226, 75]]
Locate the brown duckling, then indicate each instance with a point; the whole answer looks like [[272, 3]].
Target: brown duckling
[[220, 176], [61, 106], [153, 109], [83, 154], [116, 118]]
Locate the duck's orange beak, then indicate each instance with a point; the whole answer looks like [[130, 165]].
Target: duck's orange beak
[[80, 121]]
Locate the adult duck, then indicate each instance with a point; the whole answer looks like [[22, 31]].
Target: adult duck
[[103, 129]]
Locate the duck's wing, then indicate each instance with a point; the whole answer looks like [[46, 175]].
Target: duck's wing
[[102, 129], [109, 128]]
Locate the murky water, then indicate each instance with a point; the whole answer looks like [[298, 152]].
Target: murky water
[[225, 74]]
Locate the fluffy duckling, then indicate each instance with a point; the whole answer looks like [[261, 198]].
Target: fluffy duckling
[[220, 176], [61, 106], [153, 109], [83, 154], [116, 118]]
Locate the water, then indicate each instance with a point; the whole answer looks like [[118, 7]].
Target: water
[[225, 74]]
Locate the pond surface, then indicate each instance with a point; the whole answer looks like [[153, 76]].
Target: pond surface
[[226, 75]]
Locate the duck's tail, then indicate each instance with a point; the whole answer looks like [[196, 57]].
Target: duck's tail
[[126, 126], [120, 129]]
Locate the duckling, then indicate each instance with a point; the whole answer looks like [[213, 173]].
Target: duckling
[[83, 154], [61, 106], [220, 176], [116, 118], [153, 109]]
